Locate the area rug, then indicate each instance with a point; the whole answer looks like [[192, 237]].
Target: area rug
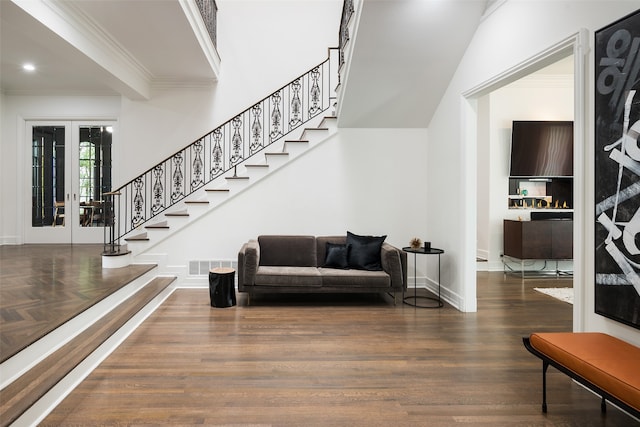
[[563, 294]]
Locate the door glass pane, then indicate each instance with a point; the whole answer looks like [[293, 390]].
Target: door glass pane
[[47, 176], [94, 172]]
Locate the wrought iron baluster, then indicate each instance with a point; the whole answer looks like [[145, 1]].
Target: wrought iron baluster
[[256, 129], [296, 105], [276, 116], [158, 190], [236, 141], [197, 166], [217, 158], [177, 178], [138, 203], [314, 95]]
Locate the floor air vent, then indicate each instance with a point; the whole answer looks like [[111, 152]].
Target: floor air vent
[[201, 268]]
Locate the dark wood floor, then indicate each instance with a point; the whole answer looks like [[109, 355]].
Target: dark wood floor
[[338, 361], [43, 286]]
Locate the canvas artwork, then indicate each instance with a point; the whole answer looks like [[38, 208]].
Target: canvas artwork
[[617, 170]]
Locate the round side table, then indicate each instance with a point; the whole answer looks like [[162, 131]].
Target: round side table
[[415, 297], [222, 287]]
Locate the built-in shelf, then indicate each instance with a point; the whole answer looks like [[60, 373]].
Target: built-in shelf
[[540, 193]]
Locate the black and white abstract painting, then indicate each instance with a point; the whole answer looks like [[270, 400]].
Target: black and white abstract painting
[[617, 170]]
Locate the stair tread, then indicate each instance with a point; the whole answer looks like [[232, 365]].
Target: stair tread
[[216, 190], [237, 177], [178, 213], [162, 224], [140, 236], [196, 202], [21, 394]]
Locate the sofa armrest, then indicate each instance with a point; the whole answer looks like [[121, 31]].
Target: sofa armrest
[[394, 263], [248, 262]]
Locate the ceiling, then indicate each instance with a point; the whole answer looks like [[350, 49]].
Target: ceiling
[[404, 54], [100, 47]]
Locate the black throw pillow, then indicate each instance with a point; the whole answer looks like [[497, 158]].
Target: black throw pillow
[[337, 256], [365, 251]]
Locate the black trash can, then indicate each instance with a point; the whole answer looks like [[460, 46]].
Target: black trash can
[[222, 287]]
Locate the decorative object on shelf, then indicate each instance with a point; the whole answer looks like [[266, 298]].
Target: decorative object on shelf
[[427, 246], [415, 243], [617, 205]]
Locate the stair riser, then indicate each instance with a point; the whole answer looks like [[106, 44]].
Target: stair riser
[[38, 411]]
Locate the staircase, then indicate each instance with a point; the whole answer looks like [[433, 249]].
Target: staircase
[[207, 199], [221, 164], [217, 167]]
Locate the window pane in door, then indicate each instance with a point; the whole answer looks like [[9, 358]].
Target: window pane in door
[[47, 176], [94, 172]]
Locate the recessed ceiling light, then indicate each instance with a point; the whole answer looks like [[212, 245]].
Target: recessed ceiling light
[[29, 67]]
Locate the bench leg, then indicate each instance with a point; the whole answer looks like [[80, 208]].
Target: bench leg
[[545, 366], [603, 405]]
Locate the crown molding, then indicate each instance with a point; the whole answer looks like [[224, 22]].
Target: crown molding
[[129, 77]]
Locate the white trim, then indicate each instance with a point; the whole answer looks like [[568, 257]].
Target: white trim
[[575, 44], [580, 52], [194, 17], [546, 57]]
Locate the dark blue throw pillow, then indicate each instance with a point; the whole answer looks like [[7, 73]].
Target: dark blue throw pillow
[[337, 256], [365, 251]]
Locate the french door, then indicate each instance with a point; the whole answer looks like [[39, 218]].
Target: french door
[[69, 169]]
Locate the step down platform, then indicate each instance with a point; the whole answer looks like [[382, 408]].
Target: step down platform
[[33, 385]]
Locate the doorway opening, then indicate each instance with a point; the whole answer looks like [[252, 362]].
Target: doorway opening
[[574, 46]]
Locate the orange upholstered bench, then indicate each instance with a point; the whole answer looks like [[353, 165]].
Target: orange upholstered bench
[[605, 364]]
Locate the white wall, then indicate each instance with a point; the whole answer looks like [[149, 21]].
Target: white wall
[[506, 39], [539, 97], [366, 181]]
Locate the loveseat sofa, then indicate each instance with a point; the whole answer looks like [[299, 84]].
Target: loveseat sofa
[[325, 264]]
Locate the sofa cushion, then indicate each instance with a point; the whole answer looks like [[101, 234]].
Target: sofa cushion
[[288, 276], [294, 251], [321, 246], [337, 255], [365, 251], [333, 277]]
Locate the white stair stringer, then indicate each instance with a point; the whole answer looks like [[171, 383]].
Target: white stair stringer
[[204, 201]]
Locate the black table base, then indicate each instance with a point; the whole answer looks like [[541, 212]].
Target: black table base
[[415, 299]]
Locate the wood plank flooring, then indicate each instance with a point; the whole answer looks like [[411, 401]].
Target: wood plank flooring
[[21, 394], [338, 361], [43, 286]]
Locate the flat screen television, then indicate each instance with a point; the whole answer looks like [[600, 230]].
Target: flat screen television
[[541, 149]]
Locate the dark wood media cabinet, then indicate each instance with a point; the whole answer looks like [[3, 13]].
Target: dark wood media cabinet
[[548, 240]]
